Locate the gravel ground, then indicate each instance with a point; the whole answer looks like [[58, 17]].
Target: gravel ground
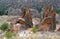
[[5, 18], [38, 35], [46, 35]]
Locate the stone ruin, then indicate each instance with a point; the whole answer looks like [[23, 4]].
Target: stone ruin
[[27, 16], [48, 22], [49, 19]]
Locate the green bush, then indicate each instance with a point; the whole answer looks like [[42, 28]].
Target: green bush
[[57, 10], [34, 29], [3, 12], [39, 8], [4, 26], [8, 35]]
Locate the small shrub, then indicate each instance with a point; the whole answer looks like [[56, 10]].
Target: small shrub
[[57, 10], [39, 8], [8, 35], [34, 29], [4, 26]]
